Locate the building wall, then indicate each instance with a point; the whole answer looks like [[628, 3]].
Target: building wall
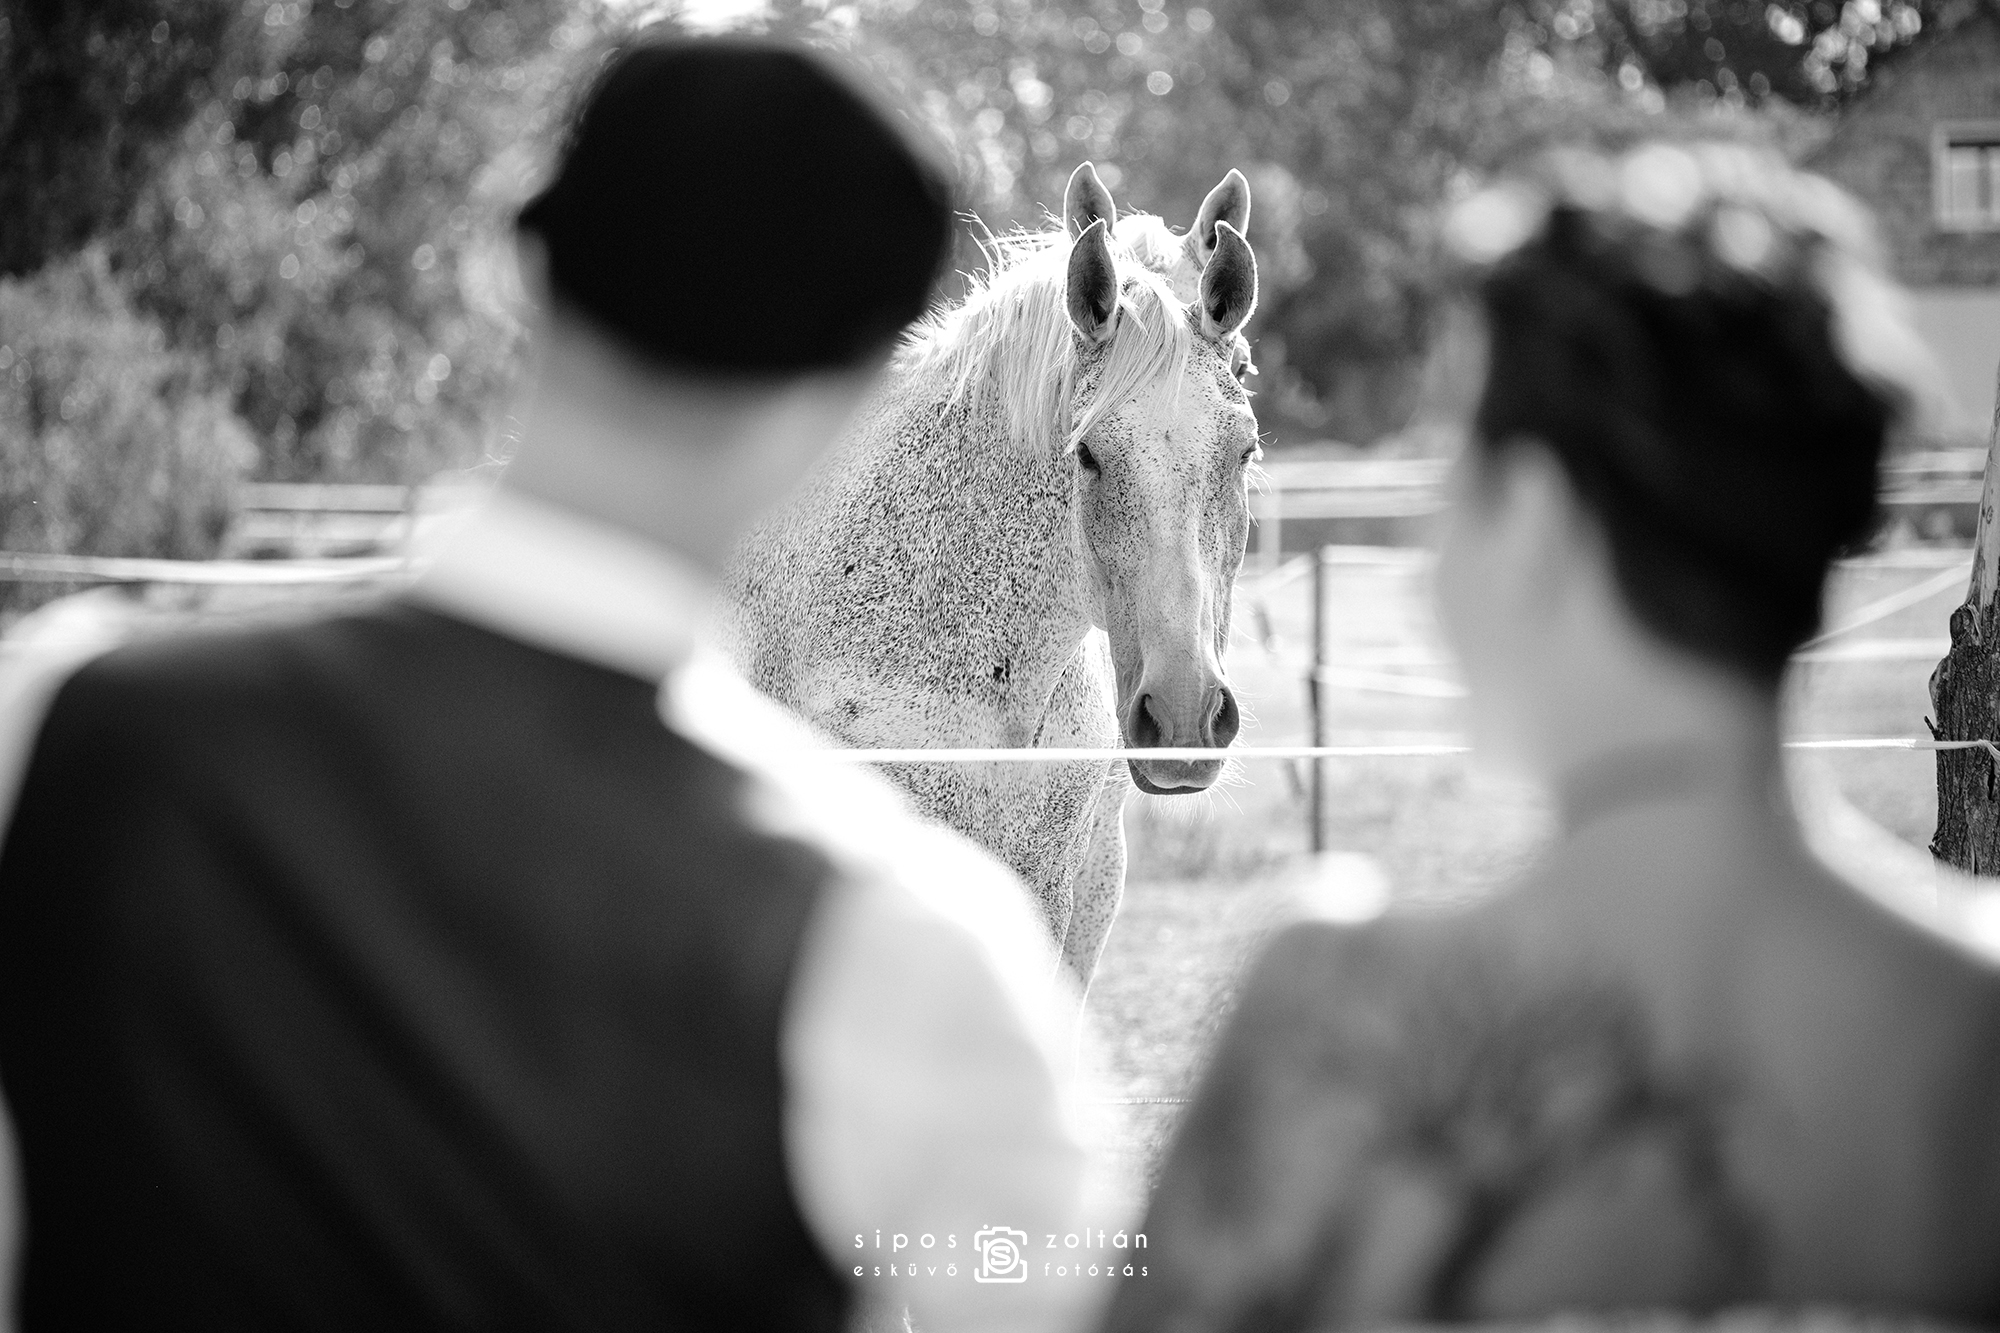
[[1882, 149], [1962, 326]]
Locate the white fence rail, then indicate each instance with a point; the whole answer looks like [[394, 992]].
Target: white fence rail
[[320, 521], [1317, 490]]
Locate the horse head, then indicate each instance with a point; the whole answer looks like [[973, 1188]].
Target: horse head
[[1161, 473]]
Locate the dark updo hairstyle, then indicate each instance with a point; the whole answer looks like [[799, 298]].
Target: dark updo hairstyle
[[1702, 336], [740, 207]]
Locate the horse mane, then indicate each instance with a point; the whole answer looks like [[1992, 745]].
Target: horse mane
[[1010, 343]]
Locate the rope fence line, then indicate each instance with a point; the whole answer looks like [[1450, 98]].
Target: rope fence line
[[1194, 754], [1181, 754]]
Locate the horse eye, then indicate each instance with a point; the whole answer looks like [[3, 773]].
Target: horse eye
[[1086, 459], [1251, 454], [1240, 364]]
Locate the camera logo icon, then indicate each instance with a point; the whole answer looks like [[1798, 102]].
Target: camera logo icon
[[1003, 1255]]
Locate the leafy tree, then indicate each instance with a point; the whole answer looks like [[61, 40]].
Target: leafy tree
[[334, 225], [91, 96], [310, 197], [1808, 52], [1354, 119], [112, 442]]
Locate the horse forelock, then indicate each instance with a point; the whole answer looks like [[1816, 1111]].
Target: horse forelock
[[1152, 242], [1009, 346]]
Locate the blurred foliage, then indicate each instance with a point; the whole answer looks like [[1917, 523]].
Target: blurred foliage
[[91, 98], [330, 225], [288, 218], [317, 208], [1352, 118], [111, 441], [1809, 53]]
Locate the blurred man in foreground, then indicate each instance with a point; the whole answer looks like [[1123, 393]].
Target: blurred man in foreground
[[493, 958]]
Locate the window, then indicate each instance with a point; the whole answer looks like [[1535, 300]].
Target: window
[[1968, 176]]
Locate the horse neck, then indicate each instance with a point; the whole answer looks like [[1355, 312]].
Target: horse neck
[[1013, 556]]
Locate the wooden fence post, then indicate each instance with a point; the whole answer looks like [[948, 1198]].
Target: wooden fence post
[[1965, 694], [1316, 700]]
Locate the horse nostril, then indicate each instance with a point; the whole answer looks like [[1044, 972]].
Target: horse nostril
[[1146, 728], [1226, 717]]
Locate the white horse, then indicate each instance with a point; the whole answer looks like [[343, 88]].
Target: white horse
[[1029, 538]]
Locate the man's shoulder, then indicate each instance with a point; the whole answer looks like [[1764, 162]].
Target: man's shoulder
[[820, 795], [101, 697], [147, 681], [906, 874], [167, 665]]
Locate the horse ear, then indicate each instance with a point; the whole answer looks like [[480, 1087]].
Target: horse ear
[[1228, 284], [1093, 284], [1228, 202], [1086, 200]]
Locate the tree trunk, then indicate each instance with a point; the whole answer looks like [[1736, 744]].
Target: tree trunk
[[1965, 692]]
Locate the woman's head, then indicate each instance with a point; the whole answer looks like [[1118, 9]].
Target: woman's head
[[1695, 344]]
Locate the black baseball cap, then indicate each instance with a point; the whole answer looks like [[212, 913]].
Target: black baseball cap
[[737, 206]]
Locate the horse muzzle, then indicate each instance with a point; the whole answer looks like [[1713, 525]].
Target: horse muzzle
[[1152, 722]]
